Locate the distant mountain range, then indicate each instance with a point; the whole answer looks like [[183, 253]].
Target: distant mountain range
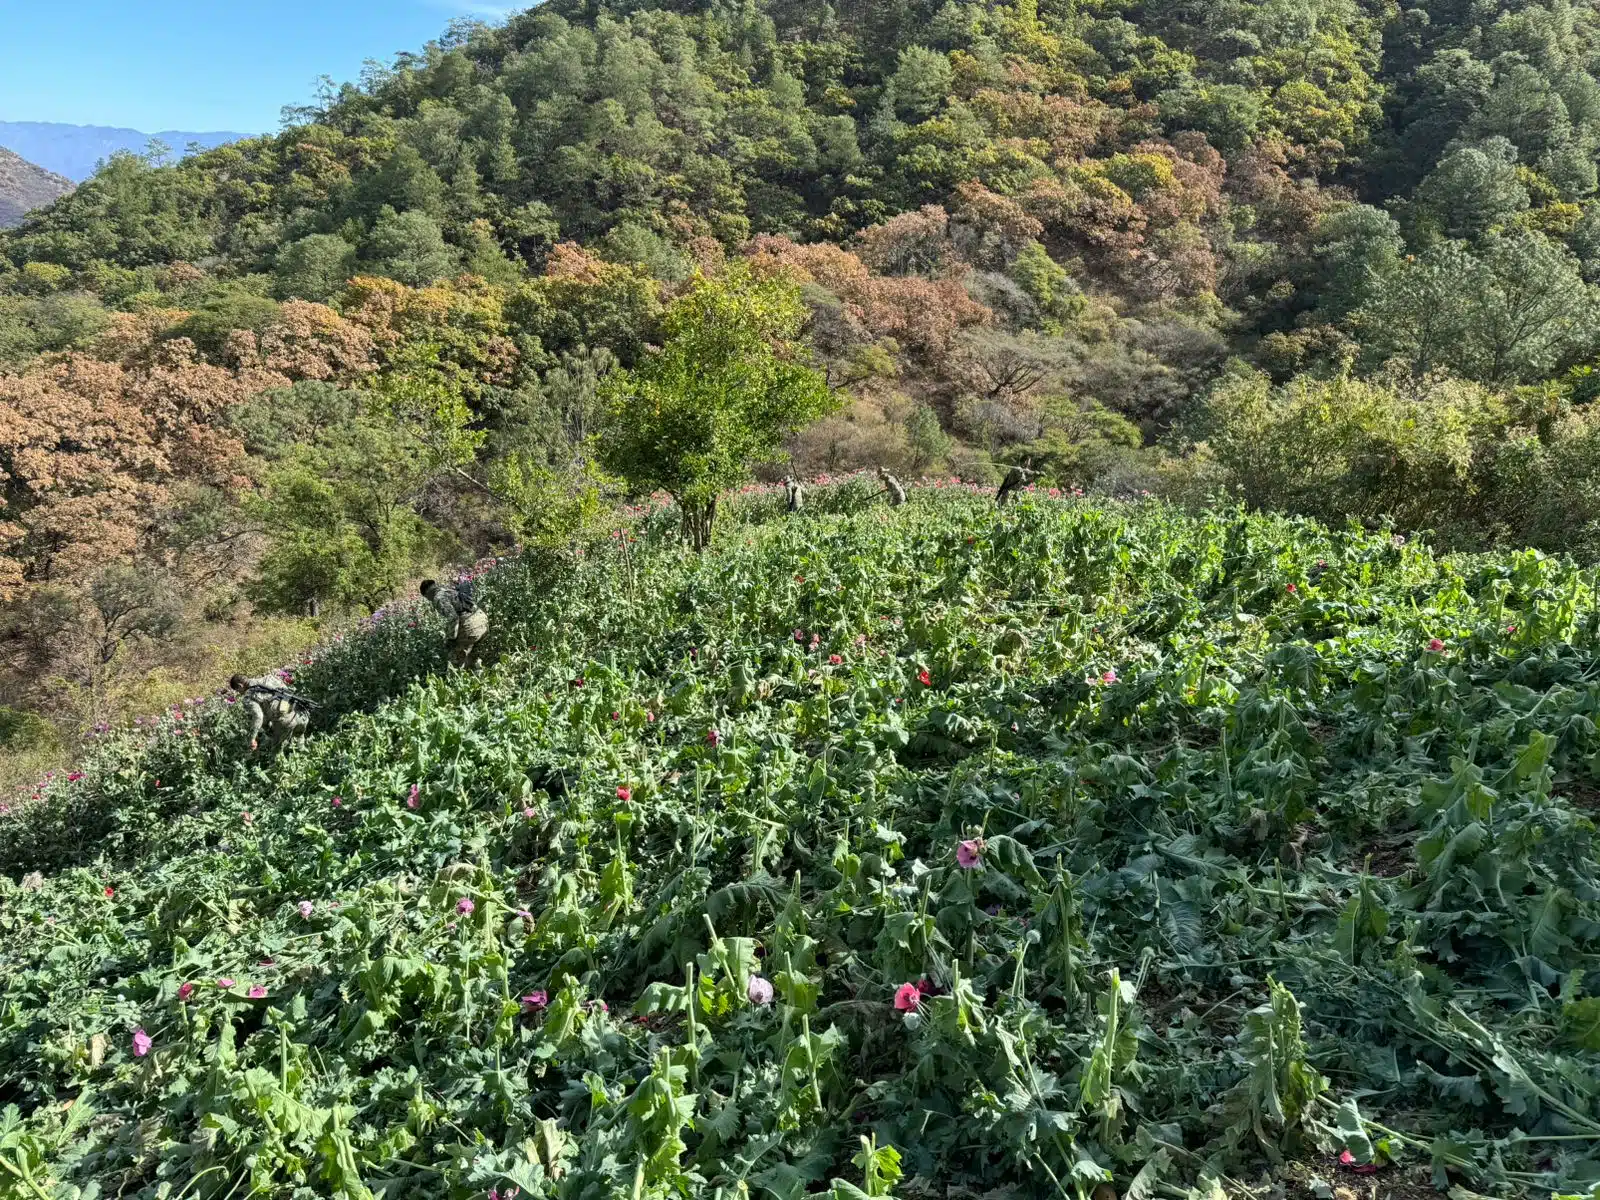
[[25, 186], [75, 150]]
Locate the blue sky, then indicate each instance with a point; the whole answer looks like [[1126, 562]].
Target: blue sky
[[198, 65]]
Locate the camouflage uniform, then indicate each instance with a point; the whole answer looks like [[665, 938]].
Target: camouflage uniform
[[272, 706], [1016, 478], [896, 489], [464, 622]]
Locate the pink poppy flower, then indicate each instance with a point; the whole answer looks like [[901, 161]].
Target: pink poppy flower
[[713, 738], [650, 718], [1346, 1159], [306, 908], [834, 659], [1435, 645], [1511, 628], [110, 892], [759, 991], [246, 818], [1109, 677], [1292, 589], [907, 997], [624, 794], [224, 983], [464, 906], [616, 716], [799, 635], [74, 776], [338, 801], [257, 992], [529, 814], [141, 1043], [534, 1001], [969, 854], [186, 991]]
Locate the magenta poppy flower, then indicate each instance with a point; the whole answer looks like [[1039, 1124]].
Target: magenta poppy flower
[[141, 1042], [338, 801], [1435, 645], [713, 738], [799, 635], [257, 992], [969, 854], [616, 716], [306, 908], [907, 997], [759, 991], [535, 1000], [185, 991], [224, 983], [529, 814], [1109, 677], [74, 776], [413, 799], [464, 906], [924, 678], [110, 892], [624, 794]]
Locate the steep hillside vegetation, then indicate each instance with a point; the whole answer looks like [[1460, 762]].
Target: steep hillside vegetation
[[1332, 257], [25, 187], [920, 852]]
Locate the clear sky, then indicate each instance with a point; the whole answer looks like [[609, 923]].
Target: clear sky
[[198, 65]]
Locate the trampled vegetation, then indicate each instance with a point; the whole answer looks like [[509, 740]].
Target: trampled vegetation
[[924, 852]]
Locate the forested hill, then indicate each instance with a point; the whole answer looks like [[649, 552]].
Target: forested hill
[[1312, 255], [24, 186]]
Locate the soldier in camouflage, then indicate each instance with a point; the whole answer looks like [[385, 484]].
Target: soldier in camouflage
[[464, 622], [272, 708], [895, 490]]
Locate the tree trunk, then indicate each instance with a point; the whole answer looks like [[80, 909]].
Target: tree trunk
[[697, 520]]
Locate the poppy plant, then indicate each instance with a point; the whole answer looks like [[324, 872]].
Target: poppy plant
[[141, 1043], [969, 854], [907, 997], [924, 678]]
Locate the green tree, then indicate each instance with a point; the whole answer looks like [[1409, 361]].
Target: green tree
[[1473, 190], [313, 268], [719, 398], [410, 247], [1507, 313]]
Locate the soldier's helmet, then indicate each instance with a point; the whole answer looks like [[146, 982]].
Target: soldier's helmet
[[428, 588], [239, 683]]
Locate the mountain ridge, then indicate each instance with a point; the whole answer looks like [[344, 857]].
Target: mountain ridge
[[74, 151], [25, 186]]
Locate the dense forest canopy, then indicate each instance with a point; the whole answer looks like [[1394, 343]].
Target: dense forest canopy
[[1330, 256]]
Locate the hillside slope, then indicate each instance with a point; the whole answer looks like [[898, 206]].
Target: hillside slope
[[25, 186], [76, 150], [1069, 844]]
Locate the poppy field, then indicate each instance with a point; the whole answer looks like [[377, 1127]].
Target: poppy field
[[927, 852]]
